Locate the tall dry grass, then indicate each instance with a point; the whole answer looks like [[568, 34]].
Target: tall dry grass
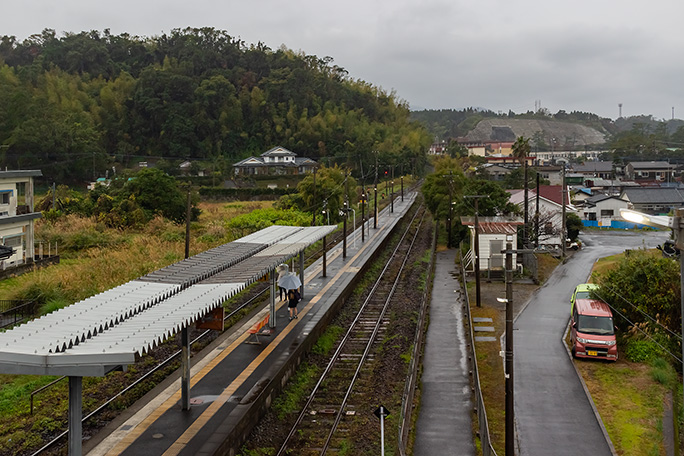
[[96, 258]]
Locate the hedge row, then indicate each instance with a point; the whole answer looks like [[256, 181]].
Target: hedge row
[[244, 193]]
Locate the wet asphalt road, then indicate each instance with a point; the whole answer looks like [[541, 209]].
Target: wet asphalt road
[[553, 414]]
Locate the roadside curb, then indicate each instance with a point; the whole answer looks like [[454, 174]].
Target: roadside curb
[[586, 391]]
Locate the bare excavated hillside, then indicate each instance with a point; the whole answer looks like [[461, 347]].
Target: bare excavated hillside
[[560, 135]]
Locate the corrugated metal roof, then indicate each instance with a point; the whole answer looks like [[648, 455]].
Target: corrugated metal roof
[[493, 225], [21, 173], [111, 328]]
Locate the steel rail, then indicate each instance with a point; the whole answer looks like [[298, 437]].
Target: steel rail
[[102, 407], [345, 338], [146, 375], [372, 339]]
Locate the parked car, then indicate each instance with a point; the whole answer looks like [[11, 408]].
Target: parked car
[[582, 291], [592, 330]]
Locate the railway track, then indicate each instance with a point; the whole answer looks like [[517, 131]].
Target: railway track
[[324, 422], [259, 295]]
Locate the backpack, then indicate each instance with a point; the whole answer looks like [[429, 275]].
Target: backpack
[[298, 297]]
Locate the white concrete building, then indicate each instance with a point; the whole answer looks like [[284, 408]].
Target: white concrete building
[[17, 216], [604, 209], [492, 240]]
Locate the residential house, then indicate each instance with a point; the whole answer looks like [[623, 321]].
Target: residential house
[[189, 168], [497, 172], [593, 169], [437, 147], [653, 200], [552, 173], [603, 209], [492, 240], [651, 172], [17, 216], [578, 195], [609, 187], [277, 160], [550, 211]]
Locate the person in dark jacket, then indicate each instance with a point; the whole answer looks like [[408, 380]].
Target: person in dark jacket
[[292, 301]]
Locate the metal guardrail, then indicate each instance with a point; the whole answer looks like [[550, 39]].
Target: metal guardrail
[[487, 449], [159, 366], [13, 312]]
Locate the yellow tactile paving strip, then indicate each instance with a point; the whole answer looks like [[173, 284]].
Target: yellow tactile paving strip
[[214, 407]]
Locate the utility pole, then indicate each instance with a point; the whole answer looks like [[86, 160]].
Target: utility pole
[[510, 412], [563, 213], [363, 215], [188, 214], [536, 218], [451, 197], [678, 228], [386, 188], [402, 188], [478, 299], [346, 211], [313, 209], [526, 226], [392, 198], [344, 229], [375, 186]]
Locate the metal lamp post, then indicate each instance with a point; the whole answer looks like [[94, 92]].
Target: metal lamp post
[[510, 411], [392, 195], [363, 217]]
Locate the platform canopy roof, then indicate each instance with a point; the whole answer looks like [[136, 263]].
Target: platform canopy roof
[[100, 333]]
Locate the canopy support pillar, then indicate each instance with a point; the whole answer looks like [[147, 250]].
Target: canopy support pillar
[[274, 290], [325, 262], [75, 415], [301, 270], [185, 369]]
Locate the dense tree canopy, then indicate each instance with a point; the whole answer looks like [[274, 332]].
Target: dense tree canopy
[[78, 104], [644, 291]]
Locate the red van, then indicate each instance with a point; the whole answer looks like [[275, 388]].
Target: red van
[[592, 330]]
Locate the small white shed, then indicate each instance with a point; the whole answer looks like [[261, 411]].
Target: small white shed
[[492, 240]]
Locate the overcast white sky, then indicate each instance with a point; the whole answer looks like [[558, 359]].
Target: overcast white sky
[[586, 55]]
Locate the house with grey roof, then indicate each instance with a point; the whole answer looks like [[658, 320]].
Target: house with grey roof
[[593, 169], [650, 171], [275, 161], [653, 200], [603, 209]]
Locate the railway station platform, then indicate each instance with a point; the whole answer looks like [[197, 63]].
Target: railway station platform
[[233, 382]]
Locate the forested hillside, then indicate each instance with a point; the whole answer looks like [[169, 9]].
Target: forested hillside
[[78, 105]]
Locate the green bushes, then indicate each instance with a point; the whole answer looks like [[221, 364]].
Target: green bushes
[[642, 350], [245, 193], [644, 291]]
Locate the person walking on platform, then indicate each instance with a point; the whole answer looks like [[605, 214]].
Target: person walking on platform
[[292, 301], [283, 270]]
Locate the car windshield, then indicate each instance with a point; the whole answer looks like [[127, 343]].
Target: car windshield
[[602, 326], [583, 295]]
